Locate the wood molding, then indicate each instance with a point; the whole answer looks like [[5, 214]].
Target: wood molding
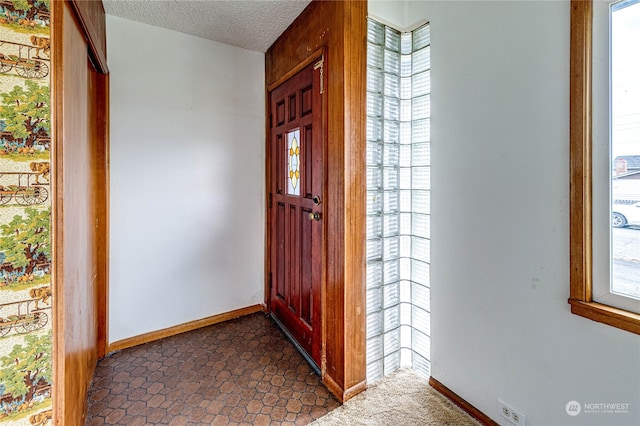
[[605, 314], [354, 390], [343, 394], [580, 150], [267, 201], [91, 17], [77, 119], [355, 192], [57, 253], [460, 402], [333, 387], [183, 328], [581, 193], [295, 70], [100, 127]]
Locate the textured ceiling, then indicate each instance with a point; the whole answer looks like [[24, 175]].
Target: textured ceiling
[[250, 24]]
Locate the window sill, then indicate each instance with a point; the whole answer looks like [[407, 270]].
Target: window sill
[[614, 317]]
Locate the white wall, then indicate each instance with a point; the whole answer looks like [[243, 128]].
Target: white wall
[[391, 12], [501, 325], [187, 178]]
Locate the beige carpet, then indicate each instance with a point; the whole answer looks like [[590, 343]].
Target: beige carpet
[[402, 398]]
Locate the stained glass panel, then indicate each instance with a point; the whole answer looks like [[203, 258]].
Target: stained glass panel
[[293, 155]]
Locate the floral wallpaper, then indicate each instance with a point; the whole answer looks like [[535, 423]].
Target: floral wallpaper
[[25, 213]]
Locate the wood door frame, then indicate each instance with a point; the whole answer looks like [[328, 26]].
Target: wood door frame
[[102, 206], [78, 47], [339, 28], [318, 55], [92, 20]]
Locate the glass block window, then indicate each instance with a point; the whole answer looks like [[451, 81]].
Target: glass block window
[[398, 197]]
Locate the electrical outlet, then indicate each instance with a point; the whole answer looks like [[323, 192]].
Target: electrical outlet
[[511, 414], [506, 412]]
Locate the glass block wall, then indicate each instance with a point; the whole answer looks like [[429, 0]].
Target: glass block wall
[[398, 197]]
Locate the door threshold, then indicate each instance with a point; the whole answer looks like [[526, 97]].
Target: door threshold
[[304, 353]]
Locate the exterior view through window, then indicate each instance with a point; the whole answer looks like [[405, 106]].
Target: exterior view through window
[[625, 148]]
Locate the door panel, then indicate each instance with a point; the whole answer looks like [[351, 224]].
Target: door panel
[[296, 177]]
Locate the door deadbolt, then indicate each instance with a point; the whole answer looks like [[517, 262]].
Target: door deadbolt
[[316, 200], [315, 216]]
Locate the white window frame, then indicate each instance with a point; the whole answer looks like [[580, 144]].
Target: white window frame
[[602, 160], [582, 213]]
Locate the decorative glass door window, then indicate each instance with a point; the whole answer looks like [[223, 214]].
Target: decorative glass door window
[[293, 155]]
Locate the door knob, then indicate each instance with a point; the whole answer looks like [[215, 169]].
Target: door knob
[[314, 215], [316, 200]]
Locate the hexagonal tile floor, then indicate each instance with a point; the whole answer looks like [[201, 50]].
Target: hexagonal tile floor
[[240, 372]]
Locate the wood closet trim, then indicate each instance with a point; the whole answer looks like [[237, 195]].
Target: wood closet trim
[[80, 165], [91, 17], [101, 191]]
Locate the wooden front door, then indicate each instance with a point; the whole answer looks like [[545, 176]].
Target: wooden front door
[[296, 207]]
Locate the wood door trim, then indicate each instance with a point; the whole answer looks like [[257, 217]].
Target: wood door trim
[[354, 154], [343, 394], [323, 55], [79, 117], [340, 29], [91, 17], [57, 206], [101, 193], [295, 70]]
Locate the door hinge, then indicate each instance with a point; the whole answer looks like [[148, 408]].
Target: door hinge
[[271, 121], [320, 64], [270, 201], [270, 282]]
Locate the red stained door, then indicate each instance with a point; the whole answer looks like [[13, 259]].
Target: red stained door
[[295, 207]]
